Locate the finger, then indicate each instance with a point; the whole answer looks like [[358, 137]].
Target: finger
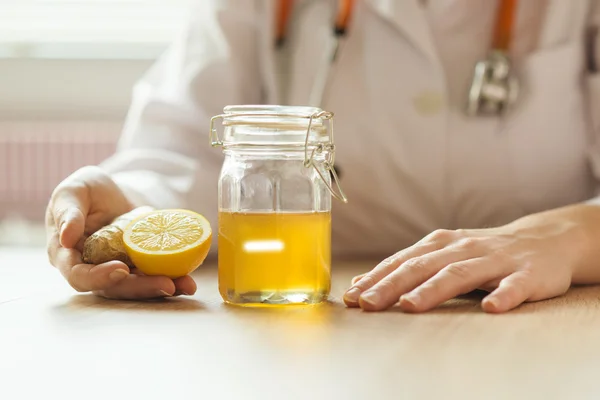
[[383, 269], [70, 206], [453, 280], [357, 278], [85, 277], [491, 285], [185, 286], [80, 244], [409, 275], [511, 292], [136, 287], [435, 241]]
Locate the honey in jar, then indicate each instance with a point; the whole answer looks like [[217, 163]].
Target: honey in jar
[[277, 258]]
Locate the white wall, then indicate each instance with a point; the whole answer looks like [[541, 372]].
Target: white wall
[[80, 58], [67, 89]]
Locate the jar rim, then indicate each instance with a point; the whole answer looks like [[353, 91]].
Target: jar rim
[[274, 125], [272, 109], [275, 116]]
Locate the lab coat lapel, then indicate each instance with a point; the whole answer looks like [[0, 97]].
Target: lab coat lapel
[[555, 26], [409, 17]]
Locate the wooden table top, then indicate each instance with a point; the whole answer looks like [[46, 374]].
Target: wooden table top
[[55, 342]]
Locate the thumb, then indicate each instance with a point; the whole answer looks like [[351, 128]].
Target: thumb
[[70, 210]]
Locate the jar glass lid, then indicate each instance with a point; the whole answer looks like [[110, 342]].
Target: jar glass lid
[[273, 125]]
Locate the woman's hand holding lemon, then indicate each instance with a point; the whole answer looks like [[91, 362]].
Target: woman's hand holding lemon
[[83, 203]]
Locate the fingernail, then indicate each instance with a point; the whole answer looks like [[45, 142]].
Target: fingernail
[[370, 297], [162, 293], [352, 295], [493, 303], [118, 275], [412, 298]]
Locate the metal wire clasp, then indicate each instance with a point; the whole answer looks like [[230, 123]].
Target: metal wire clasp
[[309, 160], [213, 134]]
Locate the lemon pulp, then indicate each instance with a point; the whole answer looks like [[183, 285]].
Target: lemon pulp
[[166, 231], [168, 242]]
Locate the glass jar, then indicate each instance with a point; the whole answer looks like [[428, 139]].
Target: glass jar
[[275, 189]]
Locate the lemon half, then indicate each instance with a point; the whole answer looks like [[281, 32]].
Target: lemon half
[[172, 243]]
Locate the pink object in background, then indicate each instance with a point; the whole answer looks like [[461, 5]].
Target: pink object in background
[[36, 156]]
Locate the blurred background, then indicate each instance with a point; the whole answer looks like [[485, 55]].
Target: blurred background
[[67, 68]]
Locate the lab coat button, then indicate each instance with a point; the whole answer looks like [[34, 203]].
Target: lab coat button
[[428, 103]]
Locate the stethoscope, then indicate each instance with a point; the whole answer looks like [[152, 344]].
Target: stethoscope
[[494, 86]]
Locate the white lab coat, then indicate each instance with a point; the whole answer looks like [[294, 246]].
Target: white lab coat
[[411, 161]]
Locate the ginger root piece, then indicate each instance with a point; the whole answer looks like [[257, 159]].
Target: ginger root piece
[[106, 244]]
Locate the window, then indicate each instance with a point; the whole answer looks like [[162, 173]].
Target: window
[[84, 29]]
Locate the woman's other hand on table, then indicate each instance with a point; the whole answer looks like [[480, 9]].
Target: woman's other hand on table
[[534, 258]]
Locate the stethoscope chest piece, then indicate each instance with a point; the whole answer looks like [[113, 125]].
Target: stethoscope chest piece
[[494, 88]]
